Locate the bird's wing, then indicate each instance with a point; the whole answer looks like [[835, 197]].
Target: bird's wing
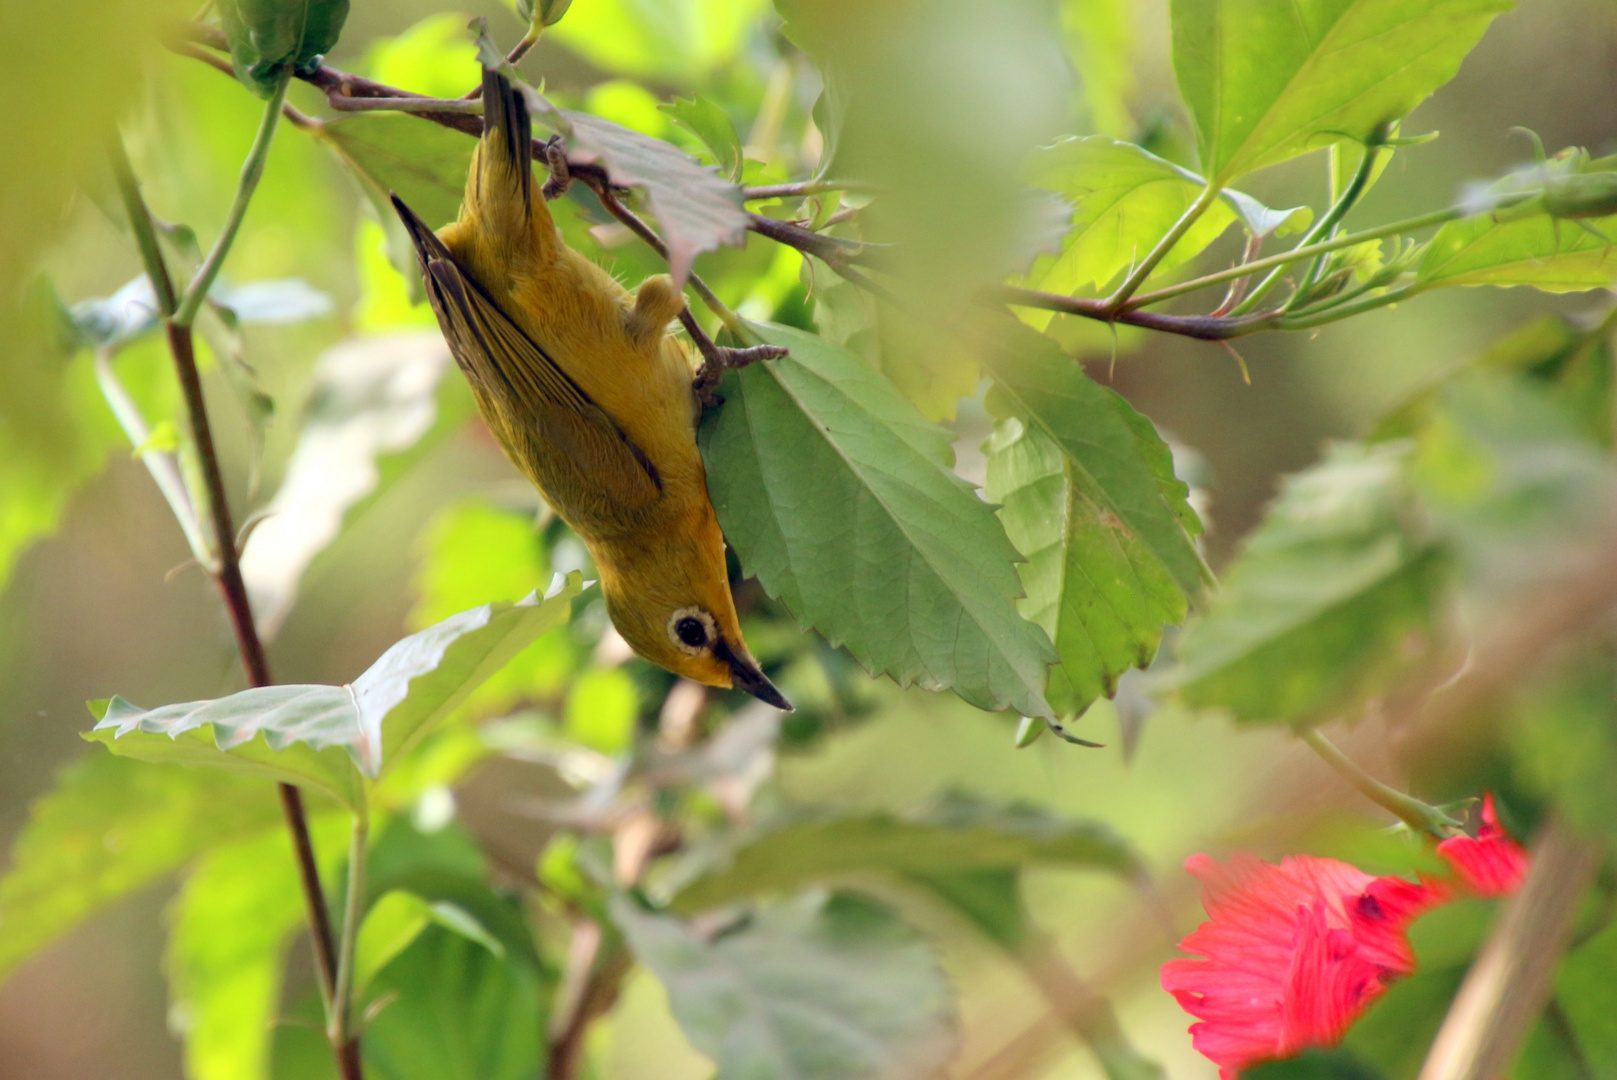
[[496, 351]]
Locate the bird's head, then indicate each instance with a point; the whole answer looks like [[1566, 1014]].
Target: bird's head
[[671, 602]]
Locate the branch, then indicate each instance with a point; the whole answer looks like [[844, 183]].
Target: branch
[[227, 575]]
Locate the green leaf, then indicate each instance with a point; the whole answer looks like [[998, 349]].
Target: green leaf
[[1100, 39], [1549, 254], [1098, 590], [709, 124], [108, 828], [601, 708], [954, 835], [840, 498], [1320, 611], [1126, 199], [1115, 454], [369, 397], [391, 924], [229, 928], [1266, 81], [377, 718], [814, 988], [1588, 994], [1564, 742], [423, 163], [679, 41], [269, 37], [457, 1012], [698, 209]]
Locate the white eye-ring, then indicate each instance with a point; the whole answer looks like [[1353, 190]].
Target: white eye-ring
[[691, 630]]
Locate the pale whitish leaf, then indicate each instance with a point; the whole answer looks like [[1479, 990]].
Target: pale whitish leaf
[[841, 499], [1126, 199], [275, 302], [1268, 81], [815, 988], [955, 833], [1092, 582], [698, 209], [109, 827], [369, 397], [228, 932], [421, 679], [1329, 594]]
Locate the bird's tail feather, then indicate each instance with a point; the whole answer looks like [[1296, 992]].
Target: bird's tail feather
[[505, 159]]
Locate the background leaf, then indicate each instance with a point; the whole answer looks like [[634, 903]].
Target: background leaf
[[425, 164], [1323, 605], [708, 123], [111, 826], [1550, 255], [954, 834], [839, 498], [1266, 82], [674, 40], [816, 988]]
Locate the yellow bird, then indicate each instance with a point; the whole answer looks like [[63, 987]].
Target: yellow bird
[[591, 397]]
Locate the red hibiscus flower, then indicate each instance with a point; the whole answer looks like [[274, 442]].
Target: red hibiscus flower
[[1292, 954], [1491, 865]]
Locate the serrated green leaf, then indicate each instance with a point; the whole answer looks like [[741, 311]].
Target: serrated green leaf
[[1092, 582], [270, 37], [1126, 199], [1266, 81], [368, 398], [713, 128], [108, 828], [814, 988], [840, 498], [425, 164], [456, 1012], [228, 932], [955, 834], [1116, 454], [698, 209], [1321, 609], [375, 719]]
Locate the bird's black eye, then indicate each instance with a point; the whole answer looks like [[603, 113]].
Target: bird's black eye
[[691, 631]]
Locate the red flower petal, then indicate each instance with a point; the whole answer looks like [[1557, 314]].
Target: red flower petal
[[1291, 954], [1491, 865]]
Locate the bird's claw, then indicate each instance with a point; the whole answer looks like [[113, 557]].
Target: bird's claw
[[561, 177], [723, 358]]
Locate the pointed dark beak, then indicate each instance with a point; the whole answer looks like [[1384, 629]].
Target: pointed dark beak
[[746, 675]]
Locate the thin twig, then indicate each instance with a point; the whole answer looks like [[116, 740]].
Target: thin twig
[[344, 103], [801, 188], [1411, 811], [1137, 276]]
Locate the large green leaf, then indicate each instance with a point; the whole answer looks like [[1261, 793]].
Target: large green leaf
[[1125, 200], [1588, 994], [839, 497], [457, 1012], [376, 718], [228, 932], [1094, 585], [814, 988], [370, 397], [268, 37], [424, 164], [109, 827], [1321, 608], [957, 834], [1266, 81], [1115, 454]]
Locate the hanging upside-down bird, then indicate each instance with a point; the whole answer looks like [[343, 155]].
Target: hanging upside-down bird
[[591, 398]]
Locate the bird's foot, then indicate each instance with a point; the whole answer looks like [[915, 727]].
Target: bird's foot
[[722, 358], [561, 177]]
